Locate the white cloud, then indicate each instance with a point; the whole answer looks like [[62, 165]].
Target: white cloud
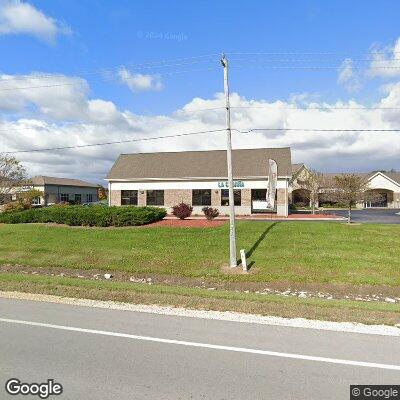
[[348, 77], [385, 62], [98, 120], [140, 82], [58, 97], [17, 17]]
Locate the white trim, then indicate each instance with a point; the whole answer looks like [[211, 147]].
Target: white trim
[[197, 178], [188, 185]]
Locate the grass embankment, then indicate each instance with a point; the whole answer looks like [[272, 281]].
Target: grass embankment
[[290, 251], [293, 252], [219, 300]]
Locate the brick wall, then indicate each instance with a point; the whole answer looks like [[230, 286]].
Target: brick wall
[[246, 197], [172, 197], [282, 202], [141, 198], [115, 197], [215, 198]]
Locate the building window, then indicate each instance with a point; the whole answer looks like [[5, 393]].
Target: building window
[[64, 197], [201, 197], [237, 196], [155, 197], [89, 198], [78, 199], [129, 197], [36, 201]]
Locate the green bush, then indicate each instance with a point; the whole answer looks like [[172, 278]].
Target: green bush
[[86, 216]]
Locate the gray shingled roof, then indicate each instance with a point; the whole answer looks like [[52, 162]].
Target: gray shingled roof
[[296, 167], [395, 176], [52, 180], [199, 164]]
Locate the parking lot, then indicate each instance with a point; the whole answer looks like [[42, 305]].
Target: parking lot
[[379, 216]]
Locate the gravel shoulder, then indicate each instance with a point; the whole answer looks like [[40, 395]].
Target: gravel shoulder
[[214, 315]]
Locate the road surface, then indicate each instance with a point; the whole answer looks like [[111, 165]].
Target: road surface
[[110, 354]]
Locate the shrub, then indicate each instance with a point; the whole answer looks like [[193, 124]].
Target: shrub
[[182, 211], [14, 206], [210, 213], [86, 216]]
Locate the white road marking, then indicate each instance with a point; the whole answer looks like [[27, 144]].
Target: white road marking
[[208, 346]]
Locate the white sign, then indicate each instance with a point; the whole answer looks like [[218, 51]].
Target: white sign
[[272, 183]]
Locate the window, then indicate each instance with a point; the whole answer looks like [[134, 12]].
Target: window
[[237, 196], [259, 194], [64, 197], [155, 198], [201, 197], [78, 199], [89, 198], [36, 201], [129, 197]]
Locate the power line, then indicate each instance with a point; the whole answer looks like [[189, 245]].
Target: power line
[[317, 130], [305, 108], [114, 142], [154, 64], [197, 133], [321, 53], [306, 67], [374, 60], [80, 83]]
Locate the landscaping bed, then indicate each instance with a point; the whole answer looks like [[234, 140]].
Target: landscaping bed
[[86, 216]]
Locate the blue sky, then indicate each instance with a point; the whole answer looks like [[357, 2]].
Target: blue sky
[[94, 40]]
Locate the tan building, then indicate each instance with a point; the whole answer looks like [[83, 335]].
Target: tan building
[[199, 178], [56, 190], [386, 184]]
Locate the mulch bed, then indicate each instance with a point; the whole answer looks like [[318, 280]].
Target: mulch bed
[[186, 223]]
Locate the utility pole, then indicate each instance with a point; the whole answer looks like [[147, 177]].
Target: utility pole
[[232, 230]]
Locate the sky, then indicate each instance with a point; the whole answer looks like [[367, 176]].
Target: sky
[[93, 71]]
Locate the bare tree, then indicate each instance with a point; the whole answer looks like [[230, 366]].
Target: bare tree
[[12, 175], [314, 183], [350, 189]]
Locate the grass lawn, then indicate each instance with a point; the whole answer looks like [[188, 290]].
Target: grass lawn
[[220, 300], [286, 251]]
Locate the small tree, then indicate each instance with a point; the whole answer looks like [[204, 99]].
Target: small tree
[[102, 192], [210, 212], [313, 184], [350, 189], [24, 200], [182, 210], [12, 175]]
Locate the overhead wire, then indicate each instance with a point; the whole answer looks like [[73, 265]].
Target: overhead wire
[[194, 133]]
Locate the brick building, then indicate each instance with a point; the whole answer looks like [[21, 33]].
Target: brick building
[[199, 178]]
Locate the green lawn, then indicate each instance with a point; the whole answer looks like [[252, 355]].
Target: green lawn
[[290, 251]]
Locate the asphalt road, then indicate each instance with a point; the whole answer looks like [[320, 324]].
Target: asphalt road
[[381, 216], [204, 360]]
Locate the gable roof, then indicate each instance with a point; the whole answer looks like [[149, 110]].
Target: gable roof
[[297, 167], [200, 164], [41, 180], [395, 176]]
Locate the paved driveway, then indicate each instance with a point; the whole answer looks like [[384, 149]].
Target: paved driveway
[[381, 216]]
